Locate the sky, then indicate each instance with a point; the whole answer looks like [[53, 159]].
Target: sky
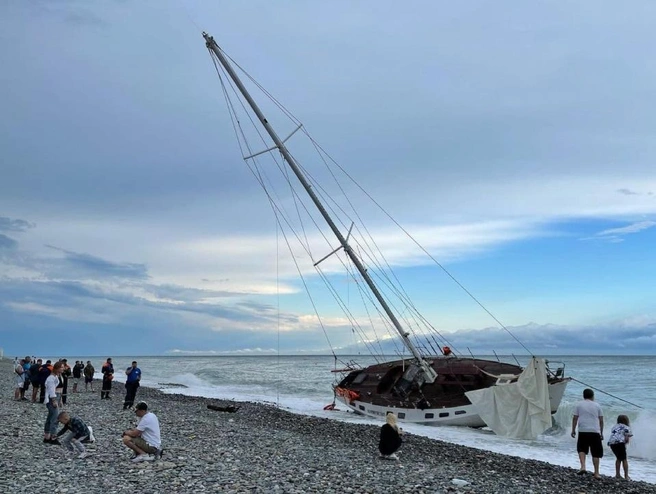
[[515, 142]]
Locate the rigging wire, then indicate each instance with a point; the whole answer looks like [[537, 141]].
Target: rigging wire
[[440, 265], [384, 273], [328, 203], [326, 197], [278, 381], [606, 393], [273, 204], [318, 186]]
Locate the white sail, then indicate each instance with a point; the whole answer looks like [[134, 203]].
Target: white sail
[[519, 410]]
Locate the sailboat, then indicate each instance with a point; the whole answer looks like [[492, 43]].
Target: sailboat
[[436, 385]]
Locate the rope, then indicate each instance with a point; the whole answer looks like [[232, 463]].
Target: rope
[[278, 381], [384, 272], [606, 393]]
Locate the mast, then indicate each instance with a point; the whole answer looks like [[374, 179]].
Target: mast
[[429, 373]]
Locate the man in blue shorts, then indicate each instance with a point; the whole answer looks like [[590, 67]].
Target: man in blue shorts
[[590, 420]]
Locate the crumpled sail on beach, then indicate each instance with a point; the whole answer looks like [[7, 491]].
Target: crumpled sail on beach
[[429, 380], [520, 410]]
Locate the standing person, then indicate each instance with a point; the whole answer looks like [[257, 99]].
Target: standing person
[[78, 431], [52, 404], [145, 440], [19, 379], [27, 363], [59, 387], [620, 435], [390, 438], [89, 372], [77, 374], [590, 419], [131, 384], [44, 372], [108, 375], [66, 374], [34, 378]]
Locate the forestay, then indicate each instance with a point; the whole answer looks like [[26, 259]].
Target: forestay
[[519, 410]]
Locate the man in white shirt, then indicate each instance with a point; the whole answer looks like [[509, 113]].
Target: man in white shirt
[[590, 419], [145, 439]]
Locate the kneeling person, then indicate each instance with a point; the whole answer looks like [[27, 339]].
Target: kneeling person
[[145, 439], [78, 432]]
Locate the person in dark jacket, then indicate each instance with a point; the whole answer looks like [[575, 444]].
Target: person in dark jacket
[[89, 372], [390, 438], [44, 372], [66, 374], [77, 375], [34, 378], [108, 375]]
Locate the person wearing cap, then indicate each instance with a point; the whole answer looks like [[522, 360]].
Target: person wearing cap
[[145, 440]]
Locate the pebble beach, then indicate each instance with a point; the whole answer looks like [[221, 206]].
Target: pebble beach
[[260, 448]]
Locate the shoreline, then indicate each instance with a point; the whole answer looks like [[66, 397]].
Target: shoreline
[[260, 448]]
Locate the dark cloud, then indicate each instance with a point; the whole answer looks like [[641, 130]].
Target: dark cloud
[[86, 263], [9, 225], [7, 243], [552, 339]]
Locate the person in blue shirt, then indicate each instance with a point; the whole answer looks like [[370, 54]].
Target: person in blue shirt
[[131, 385]]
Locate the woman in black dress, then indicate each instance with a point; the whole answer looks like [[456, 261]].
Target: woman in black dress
[[390, 438]]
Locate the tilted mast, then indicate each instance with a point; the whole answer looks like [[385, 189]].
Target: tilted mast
[[429, 374]]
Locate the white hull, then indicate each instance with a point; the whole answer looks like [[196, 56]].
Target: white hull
[[462, 416]]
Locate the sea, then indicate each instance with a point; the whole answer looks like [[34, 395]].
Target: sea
[[303, 385]]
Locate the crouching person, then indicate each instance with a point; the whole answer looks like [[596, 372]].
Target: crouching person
[[145, 439], [390, 438], [77, 433]]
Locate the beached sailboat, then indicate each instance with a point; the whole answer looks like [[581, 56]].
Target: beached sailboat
[[430, 383]]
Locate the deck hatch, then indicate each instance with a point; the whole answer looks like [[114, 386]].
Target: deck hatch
[[359, 379]]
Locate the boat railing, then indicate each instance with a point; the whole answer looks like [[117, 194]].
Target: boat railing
[[555, 368]]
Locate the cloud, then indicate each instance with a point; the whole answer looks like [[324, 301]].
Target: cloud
[[7, 243], [86, 264], [627, 192], [9, 225], [632, 336], [616, 234], [483, 138]]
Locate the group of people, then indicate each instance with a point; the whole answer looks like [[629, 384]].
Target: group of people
[[589, 418], [34, 372], [52, 380]]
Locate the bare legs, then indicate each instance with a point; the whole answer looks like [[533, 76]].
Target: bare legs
[[582, 460], [595, 463], [127, 440], [625, 467]]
